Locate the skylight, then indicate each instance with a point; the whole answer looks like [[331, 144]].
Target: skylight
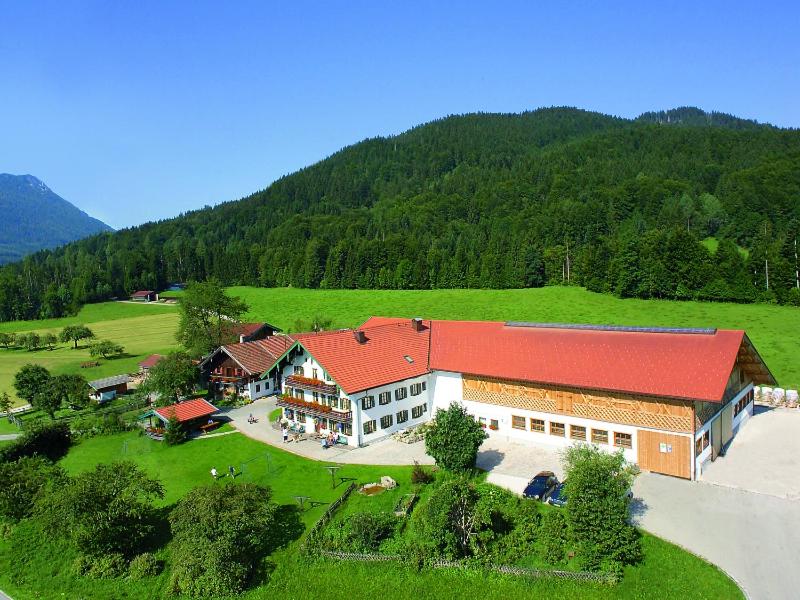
[[409, 359]]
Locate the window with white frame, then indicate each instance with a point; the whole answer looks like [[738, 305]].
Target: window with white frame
[[417, 411], [345, 403], [368, 402], [387, 421], [384, 398], [369, 427], [298, 370], [401, 393], [402, 416], [416, 389]]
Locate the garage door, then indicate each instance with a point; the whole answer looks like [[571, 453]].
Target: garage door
[[664, 453]]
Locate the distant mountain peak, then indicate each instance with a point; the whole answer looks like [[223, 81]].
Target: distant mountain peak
[[35, 218]]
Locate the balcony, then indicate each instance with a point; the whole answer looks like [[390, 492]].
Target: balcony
[[308, 383], [315, 410]]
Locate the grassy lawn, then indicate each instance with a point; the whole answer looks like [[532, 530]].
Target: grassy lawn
[[141, 329], [666, 572], [775, 330]]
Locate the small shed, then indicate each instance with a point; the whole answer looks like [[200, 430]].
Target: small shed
[[107, 388], [144, 296], [190, 413]]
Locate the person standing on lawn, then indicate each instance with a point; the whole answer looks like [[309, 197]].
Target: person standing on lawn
[[231, 471], [214, 473]]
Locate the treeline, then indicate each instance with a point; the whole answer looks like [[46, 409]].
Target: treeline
[[483, 200]]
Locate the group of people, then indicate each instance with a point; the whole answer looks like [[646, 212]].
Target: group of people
[[231, 472], [330, 440], [251, 419]]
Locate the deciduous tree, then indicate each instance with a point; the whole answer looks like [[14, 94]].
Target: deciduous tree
[[75, 333], [172, 378], [30, 381], [208, 316], [453, 438]]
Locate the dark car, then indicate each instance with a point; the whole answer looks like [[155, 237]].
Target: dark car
[[558, 497], [541, 486]]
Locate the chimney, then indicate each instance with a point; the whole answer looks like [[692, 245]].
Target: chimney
[[416, 324], [361, 338]]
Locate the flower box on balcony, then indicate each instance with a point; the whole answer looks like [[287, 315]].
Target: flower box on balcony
[[493, 427]]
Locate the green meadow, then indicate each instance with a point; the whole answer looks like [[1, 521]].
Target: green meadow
[[37, 566], [141, 329]]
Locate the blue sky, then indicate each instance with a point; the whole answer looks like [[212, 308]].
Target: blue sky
[[137, 111]]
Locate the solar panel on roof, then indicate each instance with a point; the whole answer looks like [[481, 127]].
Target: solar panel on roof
[[625, 328]]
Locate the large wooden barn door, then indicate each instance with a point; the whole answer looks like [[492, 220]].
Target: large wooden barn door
[[664, 453]]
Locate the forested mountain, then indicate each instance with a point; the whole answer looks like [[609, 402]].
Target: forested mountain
[[690, 115], [482, 200], [34, 217]]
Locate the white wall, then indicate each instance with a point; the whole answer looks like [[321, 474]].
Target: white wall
[[392, 408], [446, 388], [265, 386], [738, 421], [503, 415]]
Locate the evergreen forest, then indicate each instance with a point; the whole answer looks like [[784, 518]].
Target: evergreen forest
[[677, 204]]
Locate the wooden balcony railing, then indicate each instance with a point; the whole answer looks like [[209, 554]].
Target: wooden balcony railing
[[314, 409], [308, 383]]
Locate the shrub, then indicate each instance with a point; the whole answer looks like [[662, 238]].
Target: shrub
[[50, 440], [174, 433], [552, 540], [361, 532], [90, 426], [144, 565], [597, 511], [202, 568], [518, 542], [221, 533], [453, 438], [419, 475], [103, 511], [105, 566], [23, 483]]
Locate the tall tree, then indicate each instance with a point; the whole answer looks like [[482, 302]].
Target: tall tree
[[75, 333], [453, 438], [171, 378], [31, 381], [208, 315], [70, 389]]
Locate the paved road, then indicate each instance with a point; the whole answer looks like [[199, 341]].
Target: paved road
[[4, 597], [9, 436], [751, 536]]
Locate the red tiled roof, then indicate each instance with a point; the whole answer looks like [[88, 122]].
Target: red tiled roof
[[187, 411], [150, 361], [679, 365], [143, 293], [380, 360], [245, 329], [259, 356]]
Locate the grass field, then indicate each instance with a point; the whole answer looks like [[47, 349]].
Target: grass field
[[775, 330], [141, 329], [667, 571]]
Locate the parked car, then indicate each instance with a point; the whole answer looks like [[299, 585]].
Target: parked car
[[540, 487], [557, 496]]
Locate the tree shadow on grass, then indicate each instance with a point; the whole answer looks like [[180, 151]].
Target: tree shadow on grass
[[288, 528]]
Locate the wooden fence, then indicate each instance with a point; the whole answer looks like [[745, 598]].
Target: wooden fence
[[310, 543], [606, 578]]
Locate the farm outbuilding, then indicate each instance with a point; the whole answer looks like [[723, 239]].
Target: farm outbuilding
[[108, 388]]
